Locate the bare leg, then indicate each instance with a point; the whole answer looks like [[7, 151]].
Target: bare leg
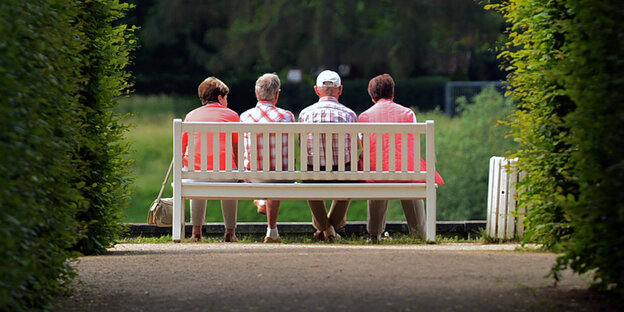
[[273, 207], [229, 208], [338, 213], [198, 217], [319, 214]]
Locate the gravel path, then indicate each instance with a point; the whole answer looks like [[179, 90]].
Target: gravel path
[[324, 277]]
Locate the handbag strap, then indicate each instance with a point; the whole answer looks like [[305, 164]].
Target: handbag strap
[[162, 188]]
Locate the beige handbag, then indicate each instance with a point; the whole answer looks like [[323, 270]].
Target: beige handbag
[[161, 210]]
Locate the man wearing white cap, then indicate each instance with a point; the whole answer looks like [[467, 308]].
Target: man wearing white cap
[[328, 88]]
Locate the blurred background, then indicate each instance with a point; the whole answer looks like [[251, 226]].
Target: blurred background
[[441, 53]]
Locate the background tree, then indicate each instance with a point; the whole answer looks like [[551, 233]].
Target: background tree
[[184, 41]]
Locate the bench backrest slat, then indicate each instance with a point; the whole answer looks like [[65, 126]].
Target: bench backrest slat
[[404, 151], [391, 151], [228, 151], [216, 159], [191, 149], [240, 150], [288, 136], [253, 151], [378, 157], [266, 151], [366, 151], [316, 138], [354, 150]]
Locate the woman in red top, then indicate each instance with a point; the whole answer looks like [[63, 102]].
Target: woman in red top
[[213, 95], [381, 91]]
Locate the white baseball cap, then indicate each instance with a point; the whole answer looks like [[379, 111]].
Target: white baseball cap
[[328, 78]]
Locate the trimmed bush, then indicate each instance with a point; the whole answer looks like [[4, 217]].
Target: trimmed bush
[[49, 116], [99, 153], [566, 60], [38, 200]]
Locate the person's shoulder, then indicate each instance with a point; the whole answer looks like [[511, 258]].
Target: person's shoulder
[[196, 114], [291, 116], [309, 108], [195, 110], [231, 114], [407, 112], [346, 108], [368, 111], [283, 110], [248, 112], [230, 111], [400, 106], [406, 109]]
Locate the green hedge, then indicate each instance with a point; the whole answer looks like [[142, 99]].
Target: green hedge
[[566, 59], [51, 112], [101, 147]]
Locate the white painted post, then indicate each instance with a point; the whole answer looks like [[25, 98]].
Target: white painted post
[[430, 180], [512, 177], [177, 231], [490, 199], [502, 221], [502, 202]]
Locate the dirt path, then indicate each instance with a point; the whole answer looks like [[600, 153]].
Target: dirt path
[[313, 277]]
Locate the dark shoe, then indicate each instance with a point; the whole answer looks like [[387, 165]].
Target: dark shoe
[[196, 238], [416, 234], [268, 239], [319, 235], [230, 238], [373, 239], [261, 204]]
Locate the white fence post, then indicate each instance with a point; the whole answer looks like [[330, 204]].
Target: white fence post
[[503, 221]]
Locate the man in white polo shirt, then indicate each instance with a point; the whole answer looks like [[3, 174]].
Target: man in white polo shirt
[[328, 88]]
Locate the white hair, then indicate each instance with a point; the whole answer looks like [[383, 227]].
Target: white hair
[[267, 87]]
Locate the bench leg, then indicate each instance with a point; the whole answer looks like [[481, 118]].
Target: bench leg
[[177, 231], [431, 218]]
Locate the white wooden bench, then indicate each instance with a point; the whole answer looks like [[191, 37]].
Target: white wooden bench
[[203, 184]]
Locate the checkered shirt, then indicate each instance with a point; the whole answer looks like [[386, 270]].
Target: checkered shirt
[[266, 112], [328, 109]]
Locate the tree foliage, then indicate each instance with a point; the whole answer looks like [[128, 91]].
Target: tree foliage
[[52, 110], [566, 59], [237, 40], [464, 148]]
